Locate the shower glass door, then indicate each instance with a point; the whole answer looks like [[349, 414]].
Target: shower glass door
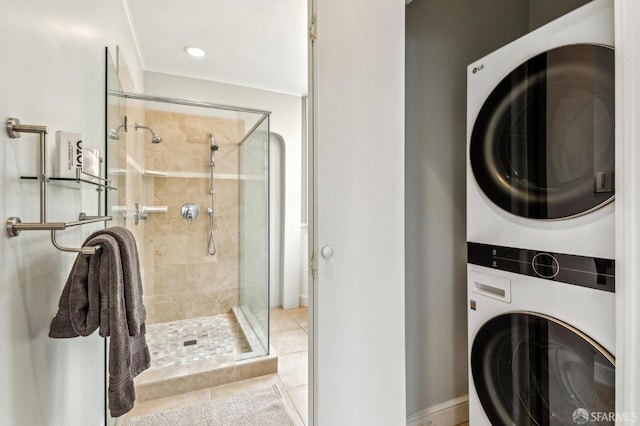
[[253, 167]]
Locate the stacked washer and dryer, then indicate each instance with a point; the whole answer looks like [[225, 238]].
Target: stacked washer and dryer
[[540, 225]]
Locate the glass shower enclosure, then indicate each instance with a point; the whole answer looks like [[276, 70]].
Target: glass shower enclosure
[[254, 223], [193, 180]]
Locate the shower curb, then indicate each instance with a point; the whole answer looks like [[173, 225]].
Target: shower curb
[[233, 372]]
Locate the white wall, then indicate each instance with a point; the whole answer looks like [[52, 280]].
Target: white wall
[[52, 74], [443, 37], [286, 121]]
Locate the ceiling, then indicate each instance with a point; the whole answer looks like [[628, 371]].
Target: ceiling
[[254, 43]]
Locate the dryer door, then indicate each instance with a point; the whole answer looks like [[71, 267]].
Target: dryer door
[[531, 369], [542, 145]]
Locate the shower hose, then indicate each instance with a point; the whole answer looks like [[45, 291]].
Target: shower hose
[[211, 248]]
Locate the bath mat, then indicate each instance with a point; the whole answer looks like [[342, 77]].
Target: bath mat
[[264, 407]]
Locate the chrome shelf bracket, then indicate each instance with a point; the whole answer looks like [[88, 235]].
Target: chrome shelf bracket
[[14, 225]]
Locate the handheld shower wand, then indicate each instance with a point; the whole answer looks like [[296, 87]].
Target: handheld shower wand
[[214, 147], [211, 210]]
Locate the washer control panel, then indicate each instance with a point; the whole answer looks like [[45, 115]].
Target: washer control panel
[[545, 265], [584, 271]]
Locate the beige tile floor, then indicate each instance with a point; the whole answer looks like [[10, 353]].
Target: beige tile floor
[[289, 339]]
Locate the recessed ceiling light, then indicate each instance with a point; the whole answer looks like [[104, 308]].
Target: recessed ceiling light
[[194, 51]]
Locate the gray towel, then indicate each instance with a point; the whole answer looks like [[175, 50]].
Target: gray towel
[[104, 291]]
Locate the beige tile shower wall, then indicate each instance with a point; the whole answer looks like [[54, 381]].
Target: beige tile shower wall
[[185, 146], [183, 280]]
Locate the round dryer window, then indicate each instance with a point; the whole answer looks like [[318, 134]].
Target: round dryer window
[[531, 369], [542, 145]]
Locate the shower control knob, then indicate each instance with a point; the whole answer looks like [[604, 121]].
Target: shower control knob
[[190, 211], [138, 214], [327, 252]]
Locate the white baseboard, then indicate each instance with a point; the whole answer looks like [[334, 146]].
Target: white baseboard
[[448, 413], [304, 300]]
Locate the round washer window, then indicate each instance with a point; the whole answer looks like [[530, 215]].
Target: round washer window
[[542, 145], [531, 369]]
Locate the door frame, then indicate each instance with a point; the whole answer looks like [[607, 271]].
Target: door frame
[[627, 205], [312, 214]]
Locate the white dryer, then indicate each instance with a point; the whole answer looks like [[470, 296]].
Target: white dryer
[[541, 351], [540, 138], [540, 225]]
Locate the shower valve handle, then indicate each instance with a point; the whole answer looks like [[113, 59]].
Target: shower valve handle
[[190, 211], [137, 214]]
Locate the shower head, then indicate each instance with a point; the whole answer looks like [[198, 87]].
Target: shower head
[[115, 133], [154, 137]]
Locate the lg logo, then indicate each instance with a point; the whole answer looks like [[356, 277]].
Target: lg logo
[[478, 68]]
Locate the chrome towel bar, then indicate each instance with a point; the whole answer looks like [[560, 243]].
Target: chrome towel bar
[[82, 250]]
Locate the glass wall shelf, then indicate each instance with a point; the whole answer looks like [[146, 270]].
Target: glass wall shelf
[[72, 182]]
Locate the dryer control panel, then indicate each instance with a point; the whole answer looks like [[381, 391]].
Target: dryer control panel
[[591, 272]]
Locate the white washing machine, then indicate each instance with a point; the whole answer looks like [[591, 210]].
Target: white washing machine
[[540, 138], [540, 225], [541, 350]]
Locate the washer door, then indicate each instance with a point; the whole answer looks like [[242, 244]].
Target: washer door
[[542, 145], [531, 369]]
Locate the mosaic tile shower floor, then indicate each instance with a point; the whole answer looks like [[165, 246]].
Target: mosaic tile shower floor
[[216, 337]]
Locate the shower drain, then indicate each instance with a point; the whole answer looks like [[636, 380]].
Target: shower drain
[[191, 342]]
